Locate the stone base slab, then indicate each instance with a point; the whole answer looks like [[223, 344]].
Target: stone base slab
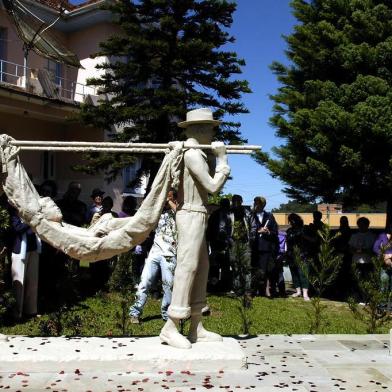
[[55, 354]]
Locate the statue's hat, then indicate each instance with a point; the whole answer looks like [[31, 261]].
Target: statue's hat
[[199, 116]]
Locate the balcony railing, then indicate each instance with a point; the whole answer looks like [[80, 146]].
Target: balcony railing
[[18, 75]]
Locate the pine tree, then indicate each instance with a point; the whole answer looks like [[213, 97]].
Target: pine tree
[[334, 106], [167, 60]]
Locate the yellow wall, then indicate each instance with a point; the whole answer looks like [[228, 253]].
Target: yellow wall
[[376, 220]]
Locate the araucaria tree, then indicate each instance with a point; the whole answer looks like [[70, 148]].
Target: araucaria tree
[[168, 58], [334, 106]]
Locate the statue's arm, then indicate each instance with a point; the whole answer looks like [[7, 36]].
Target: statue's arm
[[198, 168]]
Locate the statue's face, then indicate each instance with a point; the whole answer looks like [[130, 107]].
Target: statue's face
[[50, 210], [203, 133]]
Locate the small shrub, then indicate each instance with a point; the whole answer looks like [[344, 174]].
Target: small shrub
[[60, 321], [240, 259], [376, 312], [6, 298], [321, 273], [122, 279], [53, 326], [123, 282]]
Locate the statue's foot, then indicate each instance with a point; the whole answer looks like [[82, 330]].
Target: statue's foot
[[170, 335], [175, 340], [202, 335]]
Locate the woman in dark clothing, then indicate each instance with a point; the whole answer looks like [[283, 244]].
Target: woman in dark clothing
[[25, 266], [344, 283], [299, 236], [264, 246]]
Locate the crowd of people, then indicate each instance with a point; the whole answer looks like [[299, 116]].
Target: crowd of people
[[268, 249], [36, 268], [258, 269]]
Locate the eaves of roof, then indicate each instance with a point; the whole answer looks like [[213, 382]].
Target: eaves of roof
[[71, 10]]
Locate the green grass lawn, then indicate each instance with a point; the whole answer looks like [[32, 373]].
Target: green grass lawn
[[100, 317]]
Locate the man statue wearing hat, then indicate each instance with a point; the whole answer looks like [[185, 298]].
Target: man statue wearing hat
[[190, 280]]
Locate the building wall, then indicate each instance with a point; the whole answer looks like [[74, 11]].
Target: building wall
[[23, 118], [83, 43], [29, 128], [83, 46], [14, 53]]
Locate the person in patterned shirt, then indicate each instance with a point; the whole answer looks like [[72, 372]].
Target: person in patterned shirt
[[162, 258]]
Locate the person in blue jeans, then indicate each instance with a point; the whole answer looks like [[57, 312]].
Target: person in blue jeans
[[162, 258]]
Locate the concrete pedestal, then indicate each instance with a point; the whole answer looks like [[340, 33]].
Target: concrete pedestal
[[390, 342], [37, 354]]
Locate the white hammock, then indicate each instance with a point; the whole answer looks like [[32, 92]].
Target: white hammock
[[108, 236]]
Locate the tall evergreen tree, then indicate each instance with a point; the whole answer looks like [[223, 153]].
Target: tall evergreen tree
[[334, 106], [167, 60]]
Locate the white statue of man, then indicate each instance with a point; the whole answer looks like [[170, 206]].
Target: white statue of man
[[190, 280]]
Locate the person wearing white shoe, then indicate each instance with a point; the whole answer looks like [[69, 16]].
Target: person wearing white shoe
[[190, 279], [298, 235]]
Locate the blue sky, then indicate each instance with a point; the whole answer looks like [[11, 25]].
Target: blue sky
[[258, 27]]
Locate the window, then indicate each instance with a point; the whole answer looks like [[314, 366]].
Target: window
[[3, 43], [56, 70], [129, 175], [48, 165], [3, 53]]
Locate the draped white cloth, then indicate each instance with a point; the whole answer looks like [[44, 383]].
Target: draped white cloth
[[109, 236]]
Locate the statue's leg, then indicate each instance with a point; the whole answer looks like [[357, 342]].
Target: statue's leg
[[189, 225], [197, 333], [190, 228], [168, 265], [198, 298]]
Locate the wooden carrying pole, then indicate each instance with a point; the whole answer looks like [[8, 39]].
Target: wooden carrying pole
[[135, 148]]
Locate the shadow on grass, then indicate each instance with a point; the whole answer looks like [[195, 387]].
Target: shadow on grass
[[150, 318]]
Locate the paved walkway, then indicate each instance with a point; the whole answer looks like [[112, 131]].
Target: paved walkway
[[322, 363]]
